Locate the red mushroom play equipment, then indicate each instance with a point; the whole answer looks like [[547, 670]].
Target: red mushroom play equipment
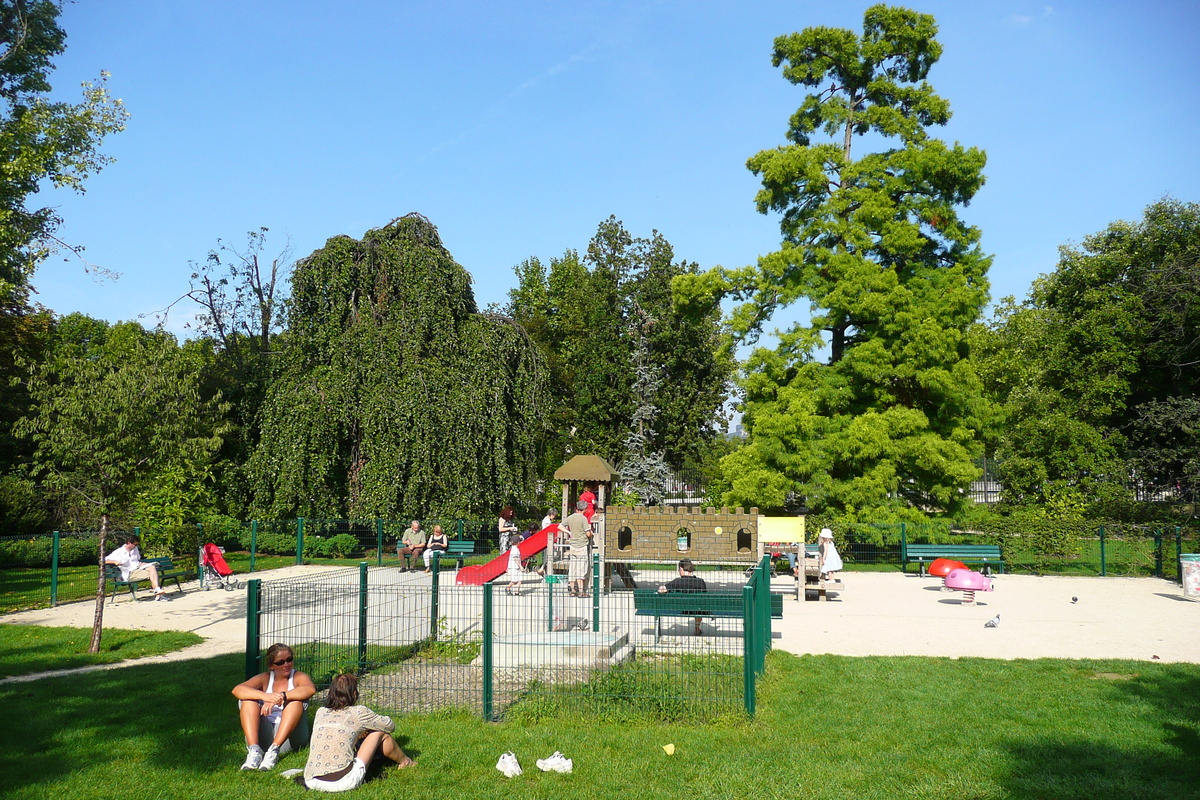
[[968, 582], [942, 567]]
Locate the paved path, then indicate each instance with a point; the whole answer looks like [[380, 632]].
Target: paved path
[[880, 613]]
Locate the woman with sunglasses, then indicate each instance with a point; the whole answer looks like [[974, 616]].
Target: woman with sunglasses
[[271, 706]]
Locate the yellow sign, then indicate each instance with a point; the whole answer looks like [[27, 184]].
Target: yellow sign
[[781, 529]]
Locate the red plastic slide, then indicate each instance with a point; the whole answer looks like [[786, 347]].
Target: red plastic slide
[[479, 574]]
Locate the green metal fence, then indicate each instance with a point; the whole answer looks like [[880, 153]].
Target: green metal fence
[[53, 568], [423, 643]]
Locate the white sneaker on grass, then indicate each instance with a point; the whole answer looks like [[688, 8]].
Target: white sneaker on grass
[[269, 758], [555, 763], [254, 757], [508, 765]]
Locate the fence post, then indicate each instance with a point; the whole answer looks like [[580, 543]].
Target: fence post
[[299, 541], [253, 542], [378, 542], [253, 608], [595, 592], [199, 550], [487, 652], [459, 529], [1179, 553], [362, 617], [1158, 555], [1103, 554], [764, 607], [54, 571], [748, 635], [433, 605]]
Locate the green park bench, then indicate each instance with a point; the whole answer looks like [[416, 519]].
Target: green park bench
[[650, 603], [459, 549], [986, 554], [167, 571]]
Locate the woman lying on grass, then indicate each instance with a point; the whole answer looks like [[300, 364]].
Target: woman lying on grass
[[333, 763], [271, 707]]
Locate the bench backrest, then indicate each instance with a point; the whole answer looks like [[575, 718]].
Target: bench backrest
[[652, 600], [954, 550], [461, 546]]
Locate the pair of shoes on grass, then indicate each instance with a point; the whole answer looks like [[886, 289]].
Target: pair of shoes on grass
[[555, 763], [257, 759]]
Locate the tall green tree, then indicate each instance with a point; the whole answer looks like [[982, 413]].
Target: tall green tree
[[394, 394], [871, 406], [620, 353], [110, 411], [41, 140], [1096, 369]]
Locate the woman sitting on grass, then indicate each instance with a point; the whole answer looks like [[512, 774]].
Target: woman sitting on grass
[[334, 764], [271, 706]]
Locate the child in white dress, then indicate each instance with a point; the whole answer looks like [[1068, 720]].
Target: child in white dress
[[515, 572], [829, 562]]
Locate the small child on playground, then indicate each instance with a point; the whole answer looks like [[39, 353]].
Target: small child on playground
[[828, 560], [516, 571]]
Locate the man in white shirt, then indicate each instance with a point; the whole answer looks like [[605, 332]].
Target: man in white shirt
[[129, 558]]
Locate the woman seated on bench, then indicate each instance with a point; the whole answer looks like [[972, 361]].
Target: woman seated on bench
[[686, 582], [271, 707], [128, 558], [437, 543]]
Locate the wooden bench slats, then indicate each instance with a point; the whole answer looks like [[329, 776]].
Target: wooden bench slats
[[986, 554]]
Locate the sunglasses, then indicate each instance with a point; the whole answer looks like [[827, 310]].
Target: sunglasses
[[287, 660]]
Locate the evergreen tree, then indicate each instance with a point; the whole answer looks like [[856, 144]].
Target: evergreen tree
[[871, 406], [643, 469]]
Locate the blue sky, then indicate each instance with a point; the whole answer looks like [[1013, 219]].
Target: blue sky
[[517, 127]]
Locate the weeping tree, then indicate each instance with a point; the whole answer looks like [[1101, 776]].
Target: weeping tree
[[394, 394]]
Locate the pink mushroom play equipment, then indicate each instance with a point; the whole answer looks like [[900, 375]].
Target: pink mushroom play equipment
[[968, 582]]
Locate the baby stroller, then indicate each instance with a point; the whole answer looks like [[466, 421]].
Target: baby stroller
[[216, 571]]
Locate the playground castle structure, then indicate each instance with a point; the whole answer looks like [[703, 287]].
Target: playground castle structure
[[662, 534]]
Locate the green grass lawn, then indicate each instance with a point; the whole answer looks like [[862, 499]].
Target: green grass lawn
[[827, 727], [25, 649]]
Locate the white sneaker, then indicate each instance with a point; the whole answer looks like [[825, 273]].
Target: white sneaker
[[508, 765], [269, 758], [555, 763], [254, 757]]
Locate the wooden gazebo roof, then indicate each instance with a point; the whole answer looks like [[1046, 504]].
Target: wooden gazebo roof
[[587, 468]]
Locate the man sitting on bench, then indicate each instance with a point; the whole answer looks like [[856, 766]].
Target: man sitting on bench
[[686, 582], [128, 558]]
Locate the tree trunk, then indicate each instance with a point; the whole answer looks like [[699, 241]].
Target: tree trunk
[[98, 619]]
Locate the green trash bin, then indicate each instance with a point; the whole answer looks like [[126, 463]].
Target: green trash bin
[[1189, 573]]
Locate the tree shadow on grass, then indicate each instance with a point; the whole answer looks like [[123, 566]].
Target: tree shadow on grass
[[1168, 766], [177, 717]]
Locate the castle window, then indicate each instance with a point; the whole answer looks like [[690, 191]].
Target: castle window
[[625, 538], [683, 540], [743, 540]]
